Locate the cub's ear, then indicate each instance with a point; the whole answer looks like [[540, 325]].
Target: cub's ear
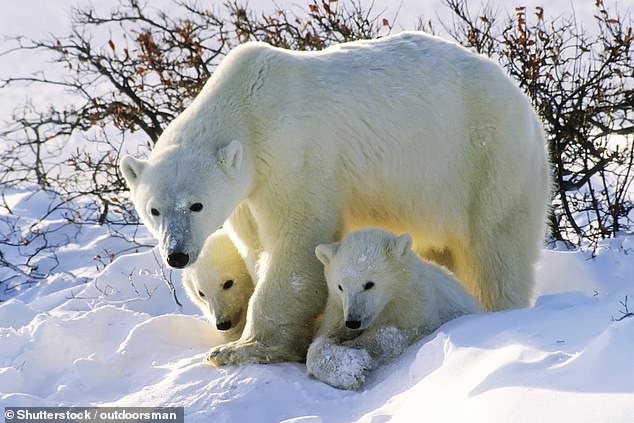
[[325, 252], [230, 157], [401, 245], [131, 169]]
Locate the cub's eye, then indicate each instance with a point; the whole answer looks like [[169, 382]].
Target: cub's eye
[[340, 288], [368, 285], [196, 207], [228, 284], [201, 294], [154, 212]]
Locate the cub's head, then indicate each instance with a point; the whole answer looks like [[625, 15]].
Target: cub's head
[[220, 285], [360, 271], [183, 196]]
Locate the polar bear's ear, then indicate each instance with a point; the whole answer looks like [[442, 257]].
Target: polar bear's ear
[[401, 245], [325, 252], [131, 169], [230, 156]]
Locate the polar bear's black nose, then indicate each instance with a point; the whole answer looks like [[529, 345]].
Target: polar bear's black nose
[[226, 325], [353, 324], [178, 260]]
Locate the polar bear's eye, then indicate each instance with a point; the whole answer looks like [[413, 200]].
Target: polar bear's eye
[[228, 284], [340, 288], [154, 212], [196, 207], [201, 294], [368, 285]]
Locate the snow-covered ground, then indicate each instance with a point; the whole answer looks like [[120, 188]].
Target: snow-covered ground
[[120, 338], [89, 335]]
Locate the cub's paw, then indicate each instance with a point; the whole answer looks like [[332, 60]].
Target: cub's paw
[[339, 366]]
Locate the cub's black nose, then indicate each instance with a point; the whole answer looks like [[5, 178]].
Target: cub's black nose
[[353, 324], [226, 325], [178, 260]]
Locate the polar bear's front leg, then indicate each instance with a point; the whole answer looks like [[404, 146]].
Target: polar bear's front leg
[[251, 350], [289, 296]]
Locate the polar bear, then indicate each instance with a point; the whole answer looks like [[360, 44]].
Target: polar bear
[[409, 133], [382, 298], [220, 285]]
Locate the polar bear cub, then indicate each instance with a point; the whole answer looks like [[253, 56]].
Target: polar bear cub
[[382, 298], [220, 285]]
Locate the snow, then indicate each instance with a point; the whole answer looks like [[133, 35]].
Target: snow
[[120, 339], [115, 335]]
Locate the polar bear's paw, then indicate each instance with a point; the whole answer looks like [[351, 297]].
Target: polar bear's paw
[[339, 366], [250, 351]]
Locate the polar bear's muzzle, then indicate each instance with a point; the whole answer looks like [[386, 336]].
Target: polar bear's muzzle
[[177, 243], [178, 260]]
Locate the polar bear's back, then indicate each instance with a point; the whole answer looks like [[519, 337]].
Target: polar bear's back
[[409, 92], [404, 92], [410, 66]]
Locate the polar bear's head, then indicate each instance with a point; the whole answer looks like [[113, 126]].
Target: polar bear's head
[[183, 196], [220, 285], [361, 271]]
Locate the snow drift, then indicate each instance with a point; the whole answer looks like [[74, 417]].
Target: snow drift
[[122, 340]]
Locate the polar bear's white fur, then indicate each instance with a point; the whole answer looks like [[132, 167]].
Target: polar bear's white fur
[[220, 285], [382, 298], [409, 132]]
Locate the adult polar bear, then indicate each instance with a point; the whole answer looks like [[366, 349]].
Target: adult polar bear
[[408, 132]]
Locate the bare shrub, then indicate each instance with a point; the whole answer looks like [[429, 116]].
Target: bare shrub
[[582, 85]]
